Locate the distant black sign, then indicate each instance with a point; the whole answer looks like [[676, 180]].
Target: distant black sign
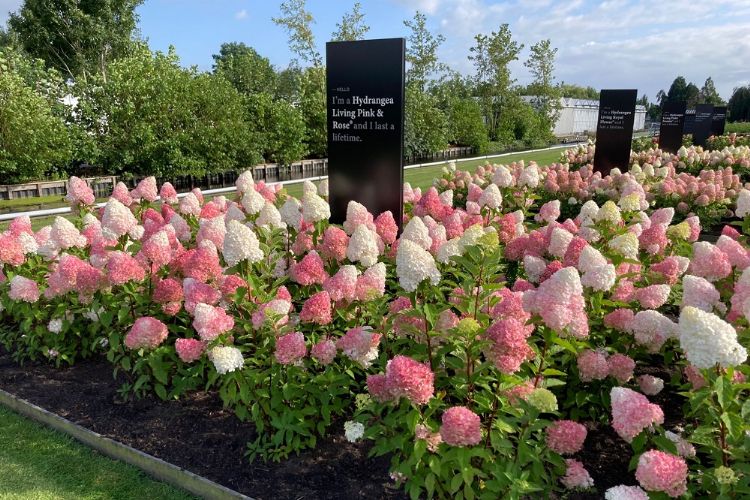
[[672, 123], [689, 127], [614, 129], [703, 120], [365, 81], [719, 120]]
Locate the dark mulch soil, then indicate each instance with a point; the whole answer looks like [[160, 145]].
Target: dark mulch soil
[[197, 434]]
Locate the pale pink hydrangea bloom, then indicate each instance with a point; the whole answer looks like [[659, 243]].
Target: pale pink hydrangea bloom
[[621, 367], [168, 194], [121, 193], [23, 289], [157, 249], [559, 301], [190, 205], [709, 262], [117, 220], [343, 284], [79, 192], [592, 365], [360, 344], [357, 214], [11, 251], [146, 189], [623, 492], [310, 270], [213, 230], [632, 413], [146, 333], [433, 439], [324, 351], [189, 350], [737, 254], [65, 235], [210, 321], [385, 226], [650, 385], [122, 268], [651, 329], [566, 437], [461, 426], [619, 319], [290, 348], [371, 284], [549, 212], [576, 476], [684, 448], [317, 309], [659, 471], [196, 292], [652, 296], [699, 292]]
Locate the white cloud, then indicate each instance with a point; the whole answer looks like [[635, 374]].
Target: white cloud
[[428, 7], [241, 15]]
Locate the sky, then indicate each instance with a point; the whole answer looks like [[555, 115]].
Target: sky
[[639, 44]]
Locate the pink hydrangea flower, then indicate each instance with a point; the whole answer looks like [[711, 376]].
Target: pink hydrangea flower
[[592, 365], [508, 348], [121, 193], [210, 321], [576, 476], [461, 427], [737, 254], [196, 292], [290, 348], [168, 194], [377, 386], [356, 215], [324, 351], [65, 275], [157, 249], [317, 309], [343, 284], [385, 226], [146, 333], [549, 212], [371, 284], [653, 296], [406, 377], [566, 437], [621, 367], [189, 350], [310, 270], [230, 284], [619, 319], [709, 262], [23, 289], [79, 192], [559, 301], [360, 344], [632, 413], [660, 471], [650, 385], [334, 244], [145, 189], [203, 264]]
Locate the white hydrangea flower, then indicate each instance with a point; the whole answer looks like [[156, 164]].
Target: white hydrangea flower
[[356, 213], [590, 259], [470, 237], [117, 219], [66, 235], [623, 492], [529, 177], [559, 242], [291, 213], [682, 152], [28, 243], [588, 212], [363, 246], [630, 203], [600, 278], [518, 216], [414, 265], [226, 359], [651, 329], [699, 292], [353, 431], [626, 245], [534, 267], [491, 197], [308, 188], [55, 325], [136, 232], [708, 340], [589, 234], [241, 243], [90, 219], [446, 198], [743, 203], [502, 177], [253, 202], [448, 249], [190, 204], [417, 232], [315, 208], [609, 212], [234, 212], [323, 188], [245, 182], [270, 216]]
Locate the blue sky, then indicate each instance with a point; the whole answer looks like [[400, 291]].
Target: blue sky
[[611, 44]]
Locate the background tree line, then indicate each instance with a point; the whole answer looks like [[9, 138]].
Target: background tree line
[[79, 85]]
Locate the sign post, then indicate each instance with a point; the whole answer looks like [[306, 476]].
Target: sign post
[[614, 129], [719, 120], [703, 121], [672, 124], [365, 100]]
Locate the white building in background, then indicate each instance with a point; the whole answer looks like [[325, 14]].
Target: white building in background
[[581, 115]]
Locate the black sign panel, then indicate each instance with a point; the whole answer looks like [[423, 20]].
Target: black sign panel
[[672, 123], [719, 120], [365, 81], [689, 127], [614, 129], [703, 120]]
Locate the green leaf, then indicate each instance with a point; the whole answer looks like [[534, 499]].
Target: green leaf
[[160, 391]]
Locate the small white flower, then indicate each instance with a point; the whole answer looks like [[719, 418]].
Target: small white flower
[[353, 431], [226, 359], [55, 325]]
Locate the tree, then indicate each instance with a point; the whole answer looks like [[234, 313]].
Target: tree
[[574, 91], [678, 90], [738, 107], [153, 117], [247, 70], [541, 64], [492, 56], [425, 127], [692, 95], [79, 38], [421, 52], [7, 38], [288, 83], [280, 128], [708, 93], [352, 26], [312, 103], [33, 141], [466, 124], [297, 21]]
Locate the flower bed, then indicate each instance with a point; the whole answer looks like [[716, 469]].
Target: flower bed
[[478, 349]]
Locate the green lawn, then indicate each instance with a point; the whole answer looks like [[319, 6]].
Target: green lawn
[[37, 463]]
